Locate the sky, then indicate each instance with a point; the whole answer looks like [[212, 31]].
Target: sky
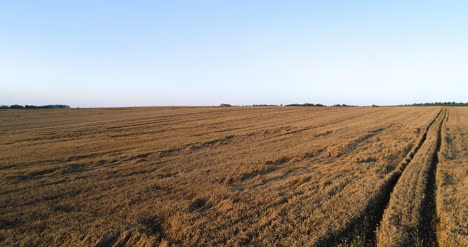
[[148, 53]]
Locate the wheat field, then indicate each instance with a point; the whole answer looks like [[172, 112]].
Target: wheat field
[[234, 176]]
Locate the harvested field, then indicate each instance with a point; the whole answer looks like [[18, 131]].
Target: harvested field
[[410, 212], [452, 180], [234, 176]]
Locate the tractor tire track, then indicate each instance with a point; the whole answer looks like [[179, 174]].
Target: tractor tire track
[[429, 212], [362, 230], [414, 218]]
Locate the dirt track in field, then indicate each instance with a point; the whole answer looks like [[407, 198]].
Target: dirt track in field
[[314, 176], [409, 217]]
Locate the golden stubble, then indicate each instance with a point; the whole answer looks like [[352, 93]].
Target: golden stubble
[[209, 176]]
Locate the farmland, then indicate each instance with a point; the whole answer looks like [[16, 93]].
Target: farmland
[[234, 176]]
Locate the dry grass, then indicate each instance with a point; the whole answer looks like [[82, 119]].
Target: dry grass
[[452, 181], [407, 218], [200, 176]]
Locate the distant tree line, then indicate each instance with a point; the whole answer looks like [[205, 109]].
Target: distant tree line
[[33, 106], [264, 105], [439, 104], [343, 105], [346, 105], [306, 104]]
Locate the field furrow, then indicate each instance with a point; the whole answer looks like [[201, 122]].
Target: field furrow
[[409, 218], [219, 176], [451, 181], [363, 230]]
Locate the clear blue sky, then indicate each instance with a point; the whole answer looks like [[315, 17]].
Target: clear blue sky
[[133, 53]]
